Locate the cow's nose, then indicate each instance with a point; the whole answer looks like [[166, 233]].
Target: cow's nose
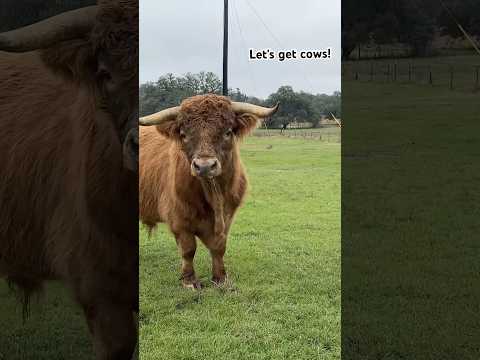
[[205, 166]]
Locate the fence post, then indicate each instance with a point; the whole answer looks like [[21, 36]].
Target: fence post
[[477, 80], [451, 77], [430, 76]]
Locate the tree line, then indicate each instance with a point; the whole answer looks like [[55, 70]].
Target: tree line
[[411, 22], [301, 107]]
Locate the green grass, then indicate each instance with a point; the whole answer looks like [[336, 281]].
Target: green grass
[[55, 329], [283, 256], [410, 233]]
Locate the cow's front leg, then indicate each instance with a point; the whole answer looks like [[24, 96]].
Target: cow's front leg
[[217, 251], [216, 244], [218, 267], [114, 330], [187, 247]]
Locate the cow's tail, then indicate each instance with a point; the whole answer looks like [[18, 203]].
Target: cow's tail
[[24, 289], [149, 227]]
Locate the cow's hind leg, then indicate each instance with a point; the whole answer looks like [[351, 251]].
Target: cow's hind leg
[[113, 329], [187, 245]]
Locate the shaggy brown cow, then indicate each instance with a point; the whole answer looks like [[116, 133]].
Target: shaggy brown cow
[[191, 176], [69, 174]]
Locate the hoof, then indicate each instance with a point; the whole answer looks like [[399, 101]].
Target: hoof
[[224, 283], [192, 284], [219, 281]]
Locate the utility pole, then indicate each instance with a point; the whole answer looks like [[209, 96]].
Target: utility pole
[[225, 48]]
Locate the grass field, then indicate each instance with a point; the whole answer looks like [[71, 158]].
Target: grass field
[[410, 250], [283, 256], [55, 329]]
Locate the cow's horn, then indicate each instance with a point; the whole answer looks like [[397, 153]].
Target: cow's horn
[[66, 26], [259, 111], [160, 116]]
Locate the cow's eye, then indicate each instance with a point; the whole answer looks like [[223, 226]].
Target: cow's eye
[[228, 134], [183, 136], [104, 74]]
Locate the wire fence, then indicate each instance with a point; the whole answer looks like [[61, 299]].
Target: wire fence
[[380, 52], [326, 133], [463, 77], [444, 47]]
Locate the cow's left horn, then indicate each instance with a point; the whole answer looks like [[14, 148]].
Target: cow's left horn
[[259, 111], [66, 26], [160, 116]]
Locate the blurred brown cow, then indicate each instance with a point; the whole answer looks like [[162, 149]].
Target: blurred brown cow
[[69, 164], [191, 176]]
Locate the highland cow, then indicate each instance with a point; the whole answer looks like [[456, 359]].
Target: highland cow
[[191, 175]]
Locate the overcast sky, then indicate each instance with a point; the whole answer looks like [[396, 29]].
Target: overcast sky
[[180, 36]]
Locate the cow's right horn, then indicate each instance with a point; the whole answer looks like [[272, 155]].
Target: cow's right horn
[[66, 26], [160, 116], [260, 111]]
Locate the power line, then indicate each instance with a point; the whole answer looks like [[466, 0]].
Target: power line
[[455, 20], [306, 78], [464, 32], [243, 42], [264, 24]]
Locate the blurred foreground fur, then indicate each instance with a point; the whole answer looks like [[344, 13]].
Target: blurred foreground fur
[[69, 154]]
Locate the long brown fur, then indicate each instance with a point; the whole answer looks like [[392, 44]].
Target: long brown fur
[[69, 208], [190, 206]]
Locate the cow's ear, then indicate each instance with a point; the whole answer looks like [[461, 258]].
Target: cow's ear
[[74, 60], [169, 128], [245, 124]]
